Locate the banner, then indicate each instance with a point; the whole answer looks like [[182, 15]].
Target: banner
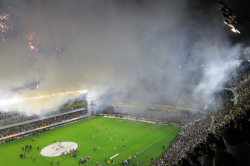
[[181, 108], [59, 126], [80, 120]]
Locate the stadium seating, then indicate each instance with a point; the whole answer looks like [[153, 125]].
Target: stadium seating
[[15, 116], [223, 138], [20, 127]]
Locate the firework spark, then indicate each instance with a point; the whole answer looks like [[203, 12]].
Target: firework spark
[[33, 40], [31, 46], [57, 51], [4, 16], [3, 25]]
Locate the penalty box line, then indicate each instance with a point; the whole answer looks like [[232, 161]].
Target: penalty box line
[[156, 141]]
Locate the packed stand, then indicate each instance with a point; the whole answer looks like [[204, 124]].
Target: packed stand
[[238, 76], [177, 117], [15, 116], [40, 123], [219, 140], [172, 116], [190, 101]]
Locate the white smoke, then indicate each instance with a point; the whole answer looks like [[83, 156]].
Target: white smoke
[[119, 50]]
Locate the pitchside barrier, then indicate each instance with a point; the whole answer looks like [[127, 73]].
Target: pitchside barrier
[[42, 129], [111, 117], [139, 120], [130, 119]]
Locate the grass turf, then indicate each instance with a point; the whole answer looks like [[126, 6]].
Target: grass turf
[[137, 137]]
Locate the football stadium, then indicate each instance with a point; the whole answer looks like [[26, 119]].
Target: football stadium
[[140, 83]]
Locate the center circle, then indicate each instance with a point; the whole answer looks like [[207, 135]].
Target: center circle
[[56, 149]]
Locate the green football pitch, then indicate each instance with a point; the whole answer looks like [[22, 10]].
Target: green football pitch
[[137, 137]]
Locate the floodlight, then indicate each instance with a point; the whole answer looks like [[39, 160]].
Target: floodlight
[[233, 30]]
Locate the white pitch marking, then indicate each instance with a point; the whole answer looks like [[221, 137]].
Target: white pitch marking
[[156, 141]]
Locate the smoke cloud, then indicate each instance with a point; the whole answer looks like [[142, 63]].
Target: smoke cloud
[[130, 51]]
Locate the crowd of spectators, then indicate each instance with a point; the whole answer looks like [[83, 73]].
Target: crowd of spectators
[[190, 101], [172, 116], [166, 117], [216, 103], [238, 76], [220, 139], [8, 115], [15, 116], [39, 123]]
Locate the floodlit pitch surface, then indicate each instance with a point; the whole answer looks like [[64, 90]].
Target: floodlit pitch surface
[[137, 137]]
